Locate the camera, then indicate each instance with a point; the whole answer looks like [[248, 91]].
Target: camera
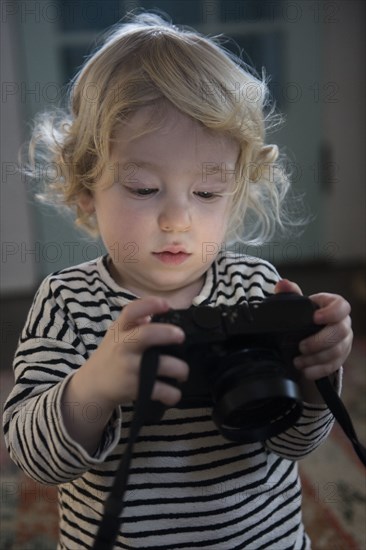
[[241, 363]]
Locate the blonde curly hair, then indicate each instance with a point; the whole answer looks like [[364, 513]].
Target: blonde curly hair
[[147, 61]]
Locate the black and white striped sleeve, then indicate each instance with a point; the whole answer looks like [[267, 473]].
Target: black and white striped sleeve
[[49, 353], [310, 431]]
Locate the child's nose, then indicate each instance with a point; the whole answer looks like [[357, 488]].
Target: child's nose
[[175, 217]]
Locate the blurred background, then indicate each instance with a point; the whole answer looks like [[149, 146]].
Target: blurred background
[[313, 52]]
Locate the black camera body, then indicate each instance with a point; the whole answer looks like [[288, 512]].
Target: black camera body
[[241, 363]]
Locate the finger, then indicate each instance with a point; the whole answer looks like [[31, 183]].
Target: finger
[[167, 394], [284, 285], [336, 354], [333, 308], [137, 339], [173, 367], [316, 372], [141, 309], [144, 320], [329, 336], [326, 362]]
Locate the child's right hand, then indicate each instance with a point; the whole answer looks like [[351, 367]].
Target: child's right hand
[[115, 365]]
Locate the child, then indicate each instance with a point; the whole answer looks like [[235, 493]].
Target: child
[[164, 160]]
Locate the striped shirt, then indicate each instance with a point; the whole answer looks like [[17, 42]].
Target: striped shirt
[[188, 486]]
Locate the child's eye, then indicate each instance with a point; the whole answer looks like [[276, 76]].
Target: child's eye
[[206, 195], [142, 191]]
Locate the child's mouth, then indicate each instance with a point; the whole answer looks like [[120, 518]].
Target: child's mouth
[[172, 258]]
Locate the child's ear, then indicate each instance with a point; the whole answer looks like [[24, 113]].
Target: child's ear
[[86, 202]]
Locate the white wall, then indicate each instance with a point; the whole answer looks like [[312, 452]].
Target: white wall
[[18, 264], [344, 127]]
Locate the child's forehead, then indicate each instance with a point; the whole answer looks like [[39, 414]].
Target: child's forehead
[[148, 126], [149, 118]]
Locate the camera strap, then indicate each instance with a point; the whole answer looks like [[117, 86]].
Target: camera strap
[[340, 413], [111, 521]]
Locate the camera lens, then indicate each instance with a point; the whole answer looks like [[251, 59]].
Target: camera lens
[[255, 397]]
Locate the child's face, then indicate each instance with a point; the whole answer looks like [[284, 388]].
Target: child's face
[[164, 219]]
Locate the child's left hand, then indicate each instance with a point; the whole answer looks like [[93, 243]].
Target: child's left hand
[[323, 353]]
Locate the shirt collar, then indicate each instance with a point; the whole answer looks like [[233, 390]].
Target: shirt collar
[[120, 296]]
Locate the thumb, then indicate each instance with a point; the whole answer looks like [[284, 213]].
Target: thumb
[[284, 285]]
